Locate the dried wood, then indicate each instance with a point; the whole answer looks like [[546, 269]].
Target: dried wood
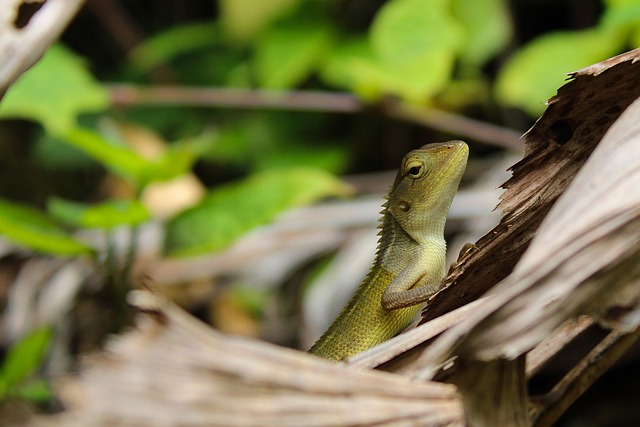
[[583, 261], [550, 346], [494, 393], [20, 48], [556, 148], [583, 375], [174, 370]]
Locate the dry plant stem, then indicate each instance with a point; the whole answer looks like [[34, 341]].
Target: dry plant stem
[[118, 23], [445, 121], [411, 339], [583, 259], [174, 370], [126, 32], [583, 375], [125, 95], [21, 48], [132, 251], [111, 258], [503, 386], [549, 347]]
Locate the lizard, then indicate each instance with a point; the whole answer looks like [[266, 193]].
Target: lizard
[[410, 260]]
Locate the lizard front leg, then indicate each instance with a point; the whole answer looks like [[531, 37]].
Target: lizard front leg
[[408, 288]]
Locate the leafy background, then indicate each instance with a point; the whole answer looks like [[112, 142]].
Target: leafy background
[[173, 113]]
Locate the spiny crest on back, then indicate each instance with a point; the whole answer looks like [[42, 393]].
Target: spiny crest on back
[[383, 220]]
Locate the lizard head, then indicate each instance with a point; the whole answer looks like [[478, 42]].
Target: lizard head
[[423, 190]]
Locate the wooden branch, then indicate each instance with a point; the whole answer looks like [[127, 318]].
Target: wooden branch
[[463, 126], [493, 393], [21, 48], [583, 375], [582, 261], [556, 148], [128, 95], [550, 346], [330, 102], [174, 370]]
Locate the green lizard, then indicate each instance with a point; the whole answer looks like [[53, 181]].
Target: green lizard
[[410, 262]]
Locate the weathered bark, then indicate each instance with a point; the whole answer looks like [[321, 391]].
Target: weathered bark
[[174, 370], [556, 148], [582, 261], [502, 385]]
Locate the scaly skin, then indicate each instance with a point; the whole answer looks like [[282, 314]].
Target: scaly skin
[[410, 263]]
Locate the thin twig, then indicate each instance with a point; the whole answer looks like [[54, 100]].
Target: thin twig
[[126, 32], [331, 102], [464, 126], [583, 375], [132, 250], [549, 347], [111, 259], [125, 95], [118, 22]]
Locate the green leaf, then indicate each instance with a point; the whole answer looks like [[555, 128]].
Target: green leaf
[[405, 30], [118, 158], [51, 153], [354, 65], [54, 92], [124, 161], [289, 51], [24, 358], [270, 140], [623, 16], [104, 215], [534, 73], [230, 211], [332, 158], [177, 159], [172, 43], [488, 28], [37, 391], [31, 228], [251, 299], [244, 20]]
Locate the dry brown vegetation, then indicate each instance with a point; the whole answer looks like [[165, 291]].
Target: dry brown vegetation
[[563, 258]]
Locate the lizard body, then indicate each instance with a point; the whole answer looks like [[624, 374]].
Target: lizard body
[[410, 262]]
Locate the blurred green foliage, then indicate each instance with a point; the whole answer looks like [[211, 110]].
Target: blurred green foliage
[[32, 228], [538, 69], [21, 363], [122, 160], [105, 215], [449, 53], [54, 92], [230, 211]]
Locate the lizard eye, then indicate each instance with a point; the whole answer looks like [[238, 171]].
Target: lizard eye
[[415, 169]]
